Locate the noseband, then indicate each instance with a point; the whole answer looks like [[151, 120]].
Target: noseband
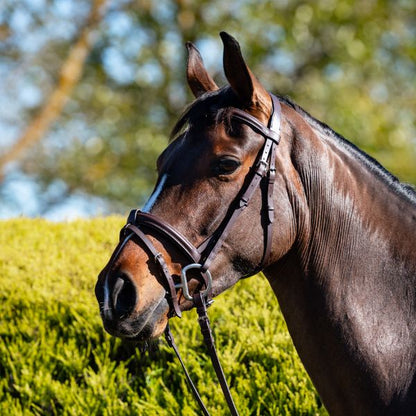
[[201, 257]]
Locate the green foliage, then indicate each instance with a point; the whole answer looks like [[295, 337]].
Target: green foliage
[[55, 358], [350, 64]]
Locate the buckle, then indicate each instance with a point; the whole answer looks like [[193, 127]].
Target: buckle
[[261, 168], [242, 203], [184, 281]]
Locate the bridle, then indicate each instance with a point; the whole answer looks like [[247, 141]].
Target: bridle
[[201, 257]]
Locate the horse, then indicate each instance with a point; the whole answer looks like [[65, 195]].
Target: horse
[[330, 228]]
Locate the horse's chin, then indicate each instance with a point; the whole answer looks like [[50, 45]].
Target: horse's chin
[[140, 326]]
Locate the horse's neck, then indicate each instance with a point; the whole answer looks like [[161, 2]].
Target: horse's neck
[[347, 286], [360, 235], [355, 215]]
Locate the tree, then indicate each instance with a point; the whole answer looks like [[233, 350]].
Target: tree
[[68, 77], [350, 64]]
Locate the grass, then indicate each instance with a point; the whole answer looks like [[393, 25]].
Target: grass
[[56, 359]]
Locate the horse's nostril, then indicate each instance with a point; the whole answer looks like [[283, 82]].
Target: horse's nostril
[[124, 295]]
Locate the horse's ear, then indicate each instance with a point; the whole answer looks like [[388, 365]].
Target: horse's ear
[[242, 81], [198, 78]]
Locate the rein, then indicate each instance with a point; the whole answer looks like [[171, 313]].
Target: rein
[[201, 257]]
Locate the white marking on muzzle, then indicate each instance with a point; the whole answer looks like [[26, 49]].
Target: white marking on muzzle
[[153, 198], [147, 207]]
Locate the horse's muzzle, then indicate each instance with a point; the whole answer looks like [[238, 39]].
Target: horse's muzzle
[[118, 298], [123, 296]]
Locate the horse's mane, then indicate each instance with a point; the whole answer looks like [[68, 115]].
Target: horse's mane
[[407, 190], [208, 105]]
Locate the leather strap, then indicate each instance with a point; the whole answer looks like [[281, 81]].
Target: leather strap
[[274, 125], [209, 253], [204, 324], [266, 164], [256, 125], [160, 261], [153, 222], [172, 344]]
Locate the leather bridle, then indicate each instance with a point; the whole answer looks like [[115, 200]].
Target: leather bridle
[[201, 257]]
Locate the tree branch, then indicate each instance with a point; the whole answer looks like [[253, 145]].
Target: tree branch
[[69, 75]]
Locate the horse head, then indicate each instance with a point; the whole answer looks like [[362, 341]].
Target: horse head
[[211, 157]]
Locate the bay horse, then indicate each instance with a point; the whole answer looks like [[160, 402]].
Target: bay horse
[[331, 229]]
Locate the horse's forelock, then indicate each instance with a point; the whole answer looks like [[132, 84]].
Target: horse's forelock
[[212, 105]]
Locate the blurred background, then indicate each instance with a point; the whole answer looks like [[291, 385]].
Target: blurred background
[[89, 89]]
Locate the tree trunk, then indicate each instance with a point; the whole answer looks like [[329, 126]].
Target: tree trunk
[[69, 75]]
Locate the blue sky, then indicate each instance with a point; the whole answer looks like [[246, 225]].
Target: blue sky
[[22, 84], [20, 90]]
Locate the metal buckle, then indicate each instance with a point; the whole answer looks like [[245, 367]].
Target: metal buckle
[[184, 281], [262, 167]]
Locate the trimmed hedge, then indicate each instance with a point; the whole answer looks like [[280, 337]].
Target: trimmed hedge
[[56, 359]]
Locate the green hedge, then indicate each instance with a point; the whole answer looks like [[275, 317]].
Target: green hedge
[[56, 359]]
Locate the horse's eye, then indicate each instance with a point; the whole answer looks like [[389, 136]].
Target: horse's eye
[[226, 166]]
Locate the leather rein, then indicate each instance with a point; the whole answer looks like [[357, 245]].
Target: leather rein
[[201, 257]]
